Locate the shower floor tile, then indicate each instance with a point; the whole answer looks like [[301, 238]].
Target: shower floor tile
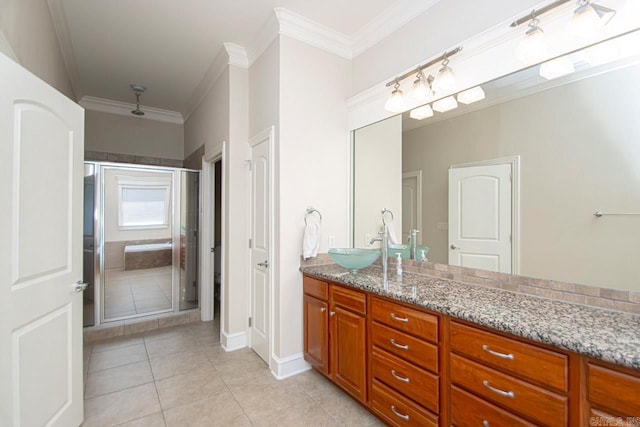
[[131, 292]]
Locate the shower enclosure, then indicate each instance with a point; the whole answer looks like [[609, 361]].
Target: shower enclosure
[[140, 240]]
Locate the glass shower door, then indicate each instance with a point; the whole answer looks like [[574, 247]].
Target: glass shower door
[[190, 214]]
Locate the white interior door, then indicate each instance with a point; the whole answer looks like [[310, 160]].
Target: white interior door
[[41, 178], [480, 217], [260, 248], [411, 204]]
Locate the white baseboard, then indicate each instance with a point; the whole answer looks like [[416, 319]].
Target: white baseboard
[[285, 367], [231, 342]]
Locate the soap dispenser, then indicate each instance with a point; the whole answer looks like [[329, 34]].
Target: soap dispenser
[[399, 264]]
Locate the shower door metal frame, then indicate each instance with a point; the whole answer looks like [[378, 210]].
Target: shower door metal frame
[[100, 168]]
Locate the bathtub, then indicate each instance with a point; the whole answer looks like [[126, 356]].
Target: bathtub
[[148, 255]]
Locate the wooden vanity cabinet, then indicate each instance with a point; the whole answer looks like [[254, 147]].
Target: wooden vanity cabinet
[[613, 393], [335, 334]]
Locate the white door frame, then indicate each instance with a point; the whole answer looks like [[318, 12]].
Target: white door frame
[[206, 235], [418, 176], [514, 162], [266, 136]]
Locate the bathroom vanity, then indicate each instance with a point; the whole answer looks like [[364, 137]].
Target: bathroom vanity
[[428, 351]]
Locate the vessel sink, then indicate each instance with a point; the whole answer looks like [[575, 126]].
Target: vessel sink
[[405, 251], [354, 258]]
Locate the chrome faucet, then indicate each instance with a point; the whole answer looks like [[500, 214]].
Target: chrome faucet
[[384, 242], [413, 244]]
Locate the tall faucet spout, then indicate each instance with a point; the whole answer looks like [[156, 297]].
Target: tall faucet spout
[[384, 242]]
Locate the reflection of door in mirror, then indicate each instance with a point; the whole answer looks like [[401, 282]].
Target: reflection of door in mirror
[[411, 204], [138, 243], [480, 217]]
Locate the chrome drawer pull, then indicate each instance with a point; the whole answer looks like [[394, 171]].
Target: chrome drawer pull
[[498, 391], [485, 423], [395, 344], [495, 353], [323, 309], [399, 319], [398, 414], [399, 377]]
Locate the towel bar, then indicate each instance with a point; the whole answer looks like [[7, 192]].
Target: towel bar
[[311, 210], [600, 213]]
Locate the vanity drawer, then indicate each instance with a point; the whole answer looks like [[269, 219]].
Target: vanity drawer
[[613, 390], [397, 410], [315, 287], [351, 300], [526, 399], [405, 319], [406, 378], [468, 410], [419, 352], [533, 363]]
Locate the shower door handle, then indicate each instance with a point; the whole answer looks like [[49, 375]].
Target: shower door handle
[[80, 286], [264, 264]]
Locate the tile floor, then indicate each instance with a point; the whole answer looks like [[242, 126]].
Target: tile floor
[[182, 377], [131, 292]]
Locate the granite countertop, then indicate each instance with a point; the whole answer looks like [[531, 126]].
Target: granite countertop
[[602, 334]]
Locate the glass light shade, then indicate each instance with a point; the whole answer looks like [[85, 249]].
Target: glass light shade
[[445, 80], [421, 90], [588, 22], [471, 95], [446, 104], [557, 68], [421, 112], [533, 47], [395, 103]]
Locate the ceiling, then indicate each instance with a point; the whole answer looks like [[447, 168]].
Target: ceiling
[[168, 45]]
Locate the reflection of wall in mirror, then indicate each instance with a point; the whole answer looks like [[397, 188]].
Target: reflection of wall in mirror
[[580, 152], [377, 178]]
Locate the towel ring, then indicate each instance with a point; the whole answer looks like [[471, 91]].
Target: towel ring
[[311, 210], [384, 212]]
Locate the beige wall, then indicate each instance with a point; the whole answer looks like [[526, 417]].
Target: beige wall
[[112, 133], [313, 153], [579, 153], [28, 27], [377, 179]]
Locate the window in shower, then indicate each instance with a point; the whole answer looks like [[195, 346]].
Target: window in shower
[[143, 205]]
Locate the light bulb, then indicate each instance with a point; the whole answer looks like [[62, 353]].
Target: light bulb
[[395, 103], [445, 80], [421, 112], [585, 22], [471, 95], [533, 47], [445, 104], [557, 68], [420, 89]]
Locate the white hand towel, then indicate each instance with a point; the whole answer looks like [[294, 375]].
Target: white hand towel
[[311, 241], [393, 239]]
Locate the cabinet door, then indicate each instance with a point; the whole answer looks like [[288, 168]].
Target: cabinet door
[[316, 337], [348, 363]]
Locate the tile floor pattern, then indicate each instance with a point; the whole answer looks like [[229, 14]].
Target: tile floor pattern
[[131, 292], [182, 377]]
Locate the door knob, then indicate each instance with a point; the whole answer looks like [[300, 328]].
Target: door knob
[[80, 286], [454, 247], [264, 264]]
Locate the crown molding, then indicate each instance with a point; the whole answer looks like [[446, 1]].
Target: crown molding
[[386, 23], [237, 55], [310, 32], [124, 109], [61, 27], [267, 34]]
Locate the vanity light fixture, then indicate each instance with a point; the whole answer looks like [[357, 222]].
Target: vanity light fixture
[[423, 85], [533, 47], [421, 89], [445, 104], [395, 103], [471, 95], [421, 112], [557, 67], [589, 18], [445, 80]]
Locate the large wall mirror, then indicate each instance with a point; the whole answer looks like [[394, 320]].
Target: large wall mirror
[[528, 167]]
